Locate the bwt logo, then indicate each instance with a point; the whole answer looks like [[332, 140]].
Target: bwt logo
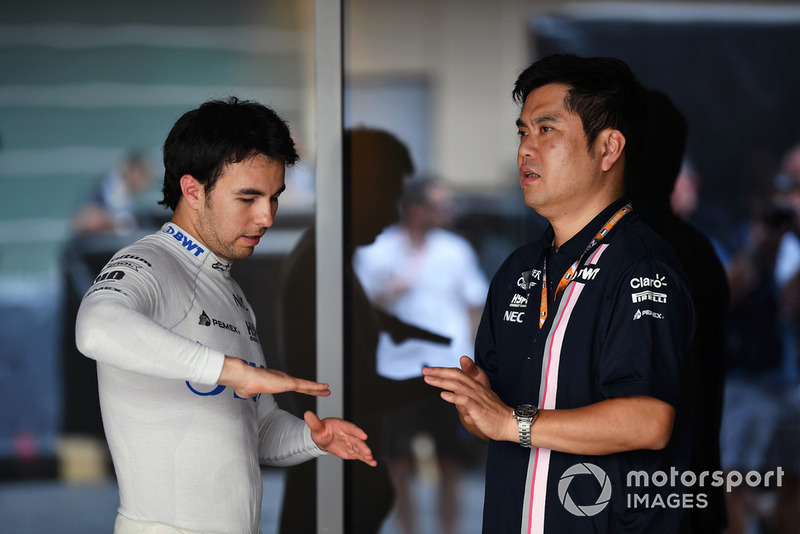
[[185, 242], [588, 509], [588, 273]]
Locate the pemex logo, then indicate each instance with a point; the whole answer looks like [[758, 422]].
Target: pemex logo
[[589, 509]]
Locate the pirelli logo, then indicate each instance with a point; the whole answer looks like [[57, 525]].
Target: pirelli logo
[[649, 295]]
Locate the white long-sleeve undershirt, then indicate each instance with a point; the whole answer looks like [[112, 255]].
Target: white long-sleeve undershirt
[[159, 320]]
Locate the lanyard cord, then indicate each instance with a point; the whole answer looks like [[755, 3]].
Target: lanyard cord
[[567, 278]]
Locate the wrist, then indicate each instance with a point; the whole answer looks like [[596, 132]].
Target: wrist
[[231, 369], [525, 414]]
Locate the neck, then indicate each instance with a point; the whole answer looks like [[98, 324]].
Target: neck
[[568, 224], [416, 236]]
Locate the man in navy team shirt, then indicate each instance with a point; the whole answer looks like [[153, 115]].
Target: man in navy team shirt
[[581, 351]]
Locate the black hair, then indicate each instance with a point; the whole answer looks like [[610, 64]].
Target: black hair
[[219, 133], [416, 192], [602, 91], [652, 179]]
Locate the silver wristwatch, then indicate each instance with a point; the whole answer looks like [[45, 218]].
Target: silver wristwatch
[[524, 414]]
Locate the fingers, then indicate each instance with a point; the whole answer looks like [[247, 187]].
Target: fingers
[[447, 378], [363, 453], [308, 387], [467, 365], [339, 437], [475, 372], [248, 380], [313, 421]]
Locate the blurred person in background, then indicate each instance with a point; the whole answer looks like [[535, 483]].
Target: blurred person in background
[[112, 205], [784, 451], [113, 216], [685, 196], [761, 419], [430, 277], [664, 190], [377, 164]]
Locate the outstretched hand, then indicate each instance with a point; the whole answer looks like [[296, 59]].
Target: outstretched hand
[[339, 437], [249, 381], [468, 388]]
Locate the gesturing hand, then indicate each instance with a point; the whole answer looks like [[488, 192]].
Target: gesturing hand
[[469, 390], [339, 437], [249, 381]]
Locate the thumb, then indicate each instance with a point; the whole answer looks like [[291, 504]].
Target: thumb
[[473, 371], [313, 421], [469, 367]]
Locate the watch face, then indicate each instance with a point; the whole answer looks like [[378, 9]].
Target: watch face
[[526, 410]]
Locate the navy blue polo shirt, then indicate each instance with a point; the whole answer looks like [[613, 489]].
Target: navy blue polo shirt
[[621, 327]]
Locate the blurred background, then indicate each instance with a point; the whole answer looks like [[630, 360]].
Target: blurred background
[[89, 90]]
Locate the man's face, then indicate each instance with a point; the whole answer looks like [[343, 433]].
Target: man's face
[[240, 207], [556, 170]]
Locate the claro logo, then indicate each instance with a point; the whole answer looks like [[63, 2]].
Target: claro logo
[[656, 282]]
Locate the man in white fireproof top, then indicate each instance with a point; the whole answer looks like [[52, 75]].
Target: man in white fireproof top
[[184, 389]]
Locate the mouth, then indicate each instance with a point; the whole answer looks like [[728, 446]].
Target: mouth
[[252, 240], [527, 176]]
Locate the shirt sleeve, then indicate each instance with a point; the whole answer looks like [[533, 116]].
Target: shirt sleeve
[[647, 335], [485, 342], [284, 439], [115, 326], [369, 265], [473, 280]]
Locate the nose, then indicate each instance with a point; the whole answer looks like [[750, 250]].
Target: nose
[[526, 147], [265, 216]]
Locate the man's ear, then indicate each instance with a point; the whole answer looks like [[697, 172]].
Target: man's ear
[[193, 191], [613, 142]]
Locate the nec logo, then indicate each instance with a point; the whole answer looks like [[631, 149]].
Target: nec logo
[[185, 242], [513, 316]]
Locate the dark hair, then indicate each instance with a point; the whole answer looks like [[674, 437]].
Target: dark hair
[[372, 155], [652, 179], [603, 92], [218, 133], [416, 191]]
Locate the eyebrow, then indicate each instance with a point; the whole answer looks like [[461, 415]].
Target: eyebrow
[[259, 192], [538, 120]]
